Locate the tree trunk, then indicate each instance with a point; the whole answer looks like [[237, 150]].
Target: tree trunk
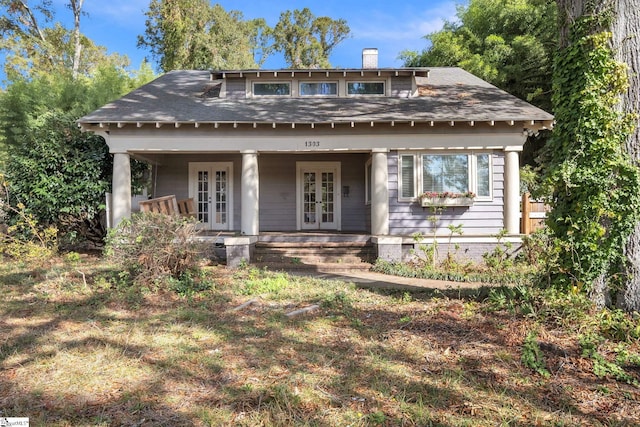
[[600, 293], [29, 20], [626, 31], [76, 8]]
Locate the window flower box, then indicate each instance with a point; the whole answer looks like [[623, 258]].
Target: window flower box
[[437, 199]]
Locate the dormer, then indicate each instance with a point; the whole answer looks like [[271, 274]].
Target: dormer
[[320, 83]]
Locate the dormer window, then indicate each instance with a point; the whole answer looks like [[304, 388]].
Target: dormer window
[[365, 88], [318, 88], [272, 89]]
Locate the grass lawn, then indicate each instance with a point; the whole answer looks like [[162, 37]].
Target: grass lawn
[[76, 349]]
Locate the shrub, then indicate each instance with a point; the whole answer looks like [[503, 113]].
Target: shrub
[[21, 237], [532, 356], [155, 248]]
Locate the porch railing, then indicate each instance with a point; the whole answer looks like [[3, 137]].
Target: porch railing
[[169, 205]]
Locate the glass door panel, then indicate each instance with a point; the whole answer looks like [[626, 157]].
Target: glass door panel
[[327, 198], [211, 187], [309, 198], [319, 200]]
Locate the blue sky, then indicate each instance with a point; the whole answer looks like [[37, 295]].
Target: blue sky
[[390, 26]]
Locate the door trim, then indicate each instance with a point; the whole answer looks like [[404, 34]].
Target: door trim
[[212, 167], [319, 166]]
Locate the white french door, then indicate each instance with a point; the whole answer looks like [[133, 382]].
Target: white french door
[[211, 187], [318, 190]]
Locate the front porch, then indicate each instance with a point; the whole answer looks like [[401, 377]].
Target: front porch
[[333, 251]]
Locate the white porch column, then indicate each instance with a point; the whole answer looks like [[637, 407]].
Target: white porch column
[[121, 188], [512, 192], [379, 192], [250, 185]]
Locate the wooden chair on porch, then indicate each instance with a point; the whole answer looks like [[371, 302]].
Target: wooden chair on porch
[[169, 205]]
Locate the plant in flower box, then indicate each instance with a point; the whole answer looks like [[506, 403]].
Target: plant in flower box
[[446, 198]]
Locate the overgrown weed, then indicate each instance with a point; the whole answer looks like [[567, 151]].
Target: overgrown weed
[[499, 266]]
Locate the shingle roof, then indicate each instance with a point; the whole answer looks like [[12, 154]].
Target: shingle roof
[[449, 94]]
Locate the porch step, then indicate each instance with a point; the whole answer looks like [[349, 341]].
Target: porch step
[[317, 267], [344, 255]]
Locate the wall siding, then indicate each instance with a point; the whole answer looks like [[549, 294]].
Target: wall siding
[[483, 218], [278, 190], [236, 88], [401, 87], [277, 186], [173, 176]]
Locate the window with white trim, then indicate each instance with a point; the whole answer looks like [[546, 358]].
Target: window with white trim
[[318, 88], [365, 88], [444, 172], [272, 89]]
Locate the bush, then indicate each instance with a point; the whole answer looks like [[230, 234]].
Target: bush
[[155, 249], [21, 237]]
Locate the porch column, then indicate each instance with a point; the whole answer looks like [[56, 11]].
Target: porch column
[[512, 192], [379, 192], [249, 187], [121, 188]]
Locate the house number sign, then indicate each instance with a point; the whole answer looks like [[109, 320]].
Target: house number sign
[[312, 144]]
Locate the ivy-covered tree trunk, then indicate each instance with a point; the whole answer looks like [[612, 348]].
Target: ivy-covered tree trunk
[[626, 43], [592, 171]]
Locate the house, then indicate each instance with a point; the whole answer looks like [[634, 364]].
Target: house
[[334, 150]]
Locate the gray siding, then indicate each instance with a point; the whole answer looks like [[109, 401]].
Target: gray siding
[[173, 176], [278, 194], [481, 219], [401, 87], [278, 190], [236, 88]]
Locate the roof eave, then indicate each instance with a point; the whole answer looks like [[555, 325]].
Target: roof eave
[[325, 72], [532, 125]]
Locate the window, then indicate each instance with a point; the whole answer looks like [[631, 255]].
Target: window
[[365, 88], [368, 175], [437, 172], [318, 89], [483, 175], [272, 89], [445, 173]]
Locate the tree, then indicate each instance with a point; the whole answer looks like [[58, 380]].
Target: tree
[[57, 172], [307, 41], [509, 43], [592, 170], [76, 8], [31, 46], [192, 34], [54, 76], [626, 31]]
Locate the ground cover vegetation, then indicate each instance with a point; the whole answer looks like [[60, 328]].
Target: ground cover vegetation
[[80, 345]]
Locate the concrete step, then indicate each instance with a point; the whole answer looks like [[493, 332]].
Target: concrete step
[[321, 267], [313, 253], [296, 258]]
